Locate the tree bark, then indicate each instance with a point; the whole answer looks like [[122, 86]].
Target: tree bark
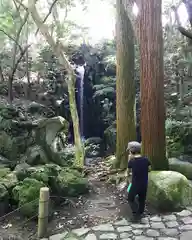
[[152, 83], [125, 85]]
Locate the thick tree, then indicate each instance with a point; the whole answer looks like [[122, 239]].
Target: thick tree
[[125, 86], [152, 83]]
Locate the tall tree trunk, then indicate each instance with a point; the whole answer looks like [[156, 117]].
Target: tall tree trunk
[[125, 85], [152, 83]]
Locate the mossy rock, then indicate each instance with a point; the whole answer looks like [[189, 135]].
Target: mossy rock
[[21, 171], [4, 200], [70, 182], [67, 156], [9, 181], [169, 190], [44, 173], [184, 168], [4, 171], [35, 155], [26, 193]]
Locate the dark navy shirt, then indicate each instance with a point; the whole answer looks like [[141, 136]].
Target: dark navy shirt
[[139, 167]]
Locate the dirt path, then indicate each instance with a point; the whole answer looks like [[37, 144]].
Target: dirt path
[[103, 204]]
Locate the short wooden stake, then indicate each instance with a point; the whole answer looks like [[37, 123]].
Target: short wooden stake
[[43, 212]]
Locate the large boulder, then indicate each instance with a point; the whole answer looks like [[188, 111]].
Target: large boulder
[[51, 136], [35, 155], [26, 194], [169, 190], [51, 127], [15, 133], [184, 168]]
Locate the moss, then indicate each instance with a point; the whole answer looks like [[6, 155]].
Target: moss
[[169, 190], [9, 181], [27, 194], [4, 172], [70, 182]]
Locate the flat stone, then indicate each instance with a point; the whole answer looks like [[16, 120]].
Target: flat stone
[[59, 236], [108, 236], [142, 226], [156, 219], [186, 227], [122, 222], [125, 235], [169, 218], [69, 238], [187, 220], [152, 233], [143, 238], [157, 225], [81, 231], [124, 229], [186, 235], [173, 224], [91, 237], [104, 228], [167, 238], [145, 220], [170, 232], [184, 213], [137, 232]]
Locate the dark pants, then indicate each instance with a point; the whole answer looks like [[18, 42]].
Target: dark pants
[[137, 207]]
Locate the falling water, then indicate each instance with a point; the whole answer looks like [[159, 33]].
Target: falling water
[[81, 71]]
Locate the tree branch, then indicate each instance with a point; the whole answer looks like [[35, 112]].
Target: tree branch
[[45, 32], [19, 59], [50, 10], [185, 32], [9, 36], [181, 29]]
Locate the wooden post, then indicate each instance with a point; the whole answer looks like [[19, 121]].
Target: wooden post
[[43, 212]]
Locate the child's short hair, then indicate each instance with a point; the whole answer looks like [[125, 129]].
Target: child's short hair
[[134, 147]]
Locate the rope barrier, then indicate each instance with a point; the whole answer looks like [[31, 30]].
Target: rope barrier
[[8, 214]]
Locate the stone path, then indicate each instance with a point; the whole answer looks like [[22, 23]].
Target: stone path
[[165, 227]]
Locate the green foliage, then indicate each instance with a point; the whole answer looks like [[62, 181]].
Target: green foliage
[[179, 137], [27, 194]]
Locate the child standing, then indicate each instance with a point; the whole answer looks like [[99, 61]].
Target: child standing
[[140, 167]]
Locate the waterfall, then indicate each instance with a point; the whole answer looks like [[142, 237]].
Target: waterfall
[[81, 71]]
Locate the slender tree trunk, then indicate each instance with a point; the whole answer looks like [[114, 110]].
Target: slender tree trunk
[[2, 79], [59, 51], [125, 85], [152, 83], [10, 89], [28, 64]]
